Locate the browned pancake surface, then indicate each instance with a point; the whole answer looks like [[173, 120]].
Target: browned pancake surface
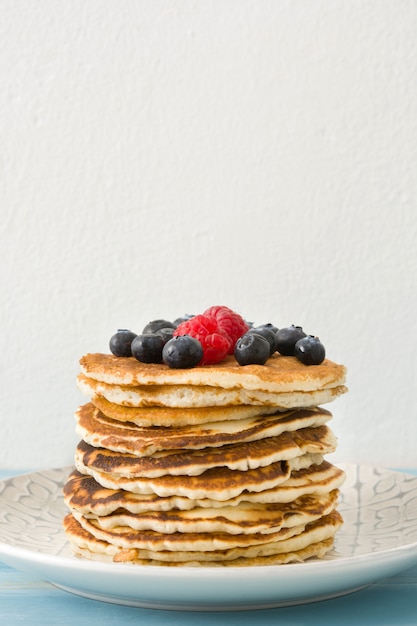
[[174, 416], [240, 456], [83, 493], [245, 518], [86, 536], [100, 431], [218, 483]]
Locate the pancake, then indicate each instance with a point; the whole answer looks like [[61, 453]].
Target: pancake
[[100, 431], [185, 542], [322, 530], [245, 518], [174, 416], [188, 463], [279, 374], [219, 483], [84, 494], [186, 396], [315, 550], [127, 537]]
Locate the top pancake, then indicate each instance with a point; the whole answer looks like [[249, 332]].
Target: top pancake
[[279, 374]]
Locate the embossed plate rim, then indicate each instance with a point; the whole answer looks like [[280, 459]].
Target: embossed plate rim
[[219, 589]]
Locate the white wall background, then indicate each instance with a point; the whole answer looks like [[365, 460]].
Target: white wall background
[[158, 157]]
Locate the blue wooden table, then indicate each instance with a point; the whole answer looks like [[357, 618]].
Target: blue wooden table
[[25, 600]]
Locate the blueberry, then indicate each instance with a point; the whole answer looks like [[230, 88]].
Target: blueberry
[[155, 325], [270, 326], [252, 348], [182, 351], [165, 333], [184, 318], [286, 338], [268, 334], [120, 343], [310, 351], [148, 348]]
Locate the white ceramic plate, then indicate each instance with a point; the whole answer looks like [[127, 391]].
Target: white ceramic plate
[[378, 539]]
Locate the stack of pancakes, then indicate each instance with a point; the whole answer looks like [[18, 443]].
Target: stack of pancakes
[[219, 465]]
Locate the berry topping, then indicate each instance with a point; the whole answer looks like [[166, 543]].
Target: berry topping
[[165, 333], [286, 338], [182, 351], [148, 348], [309, 350], [183, 318], [214, 341], [252, 348], [208, 338], [155, 325], [267, 333], [120, 343], [230, 322], [270, 326]]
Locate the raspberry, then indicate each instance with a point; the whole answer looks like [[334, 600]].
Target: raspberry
[[214, 340], [230, 322]]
